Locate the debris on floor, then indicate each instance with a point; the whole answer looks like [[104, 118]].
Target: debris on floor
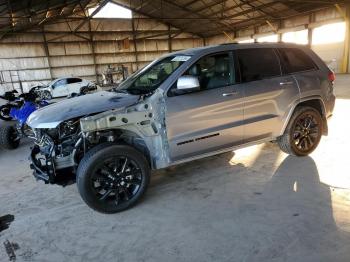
[[5, 221], [10, 249]]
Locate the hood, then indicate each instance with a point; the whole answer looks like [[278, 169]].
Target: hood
[[51, 116]]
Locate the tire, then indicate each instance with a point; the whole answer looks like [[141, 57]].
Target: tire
[[105, 165], [303, 132], [45, 95], [5, 113], [9, 137], [84, 90]]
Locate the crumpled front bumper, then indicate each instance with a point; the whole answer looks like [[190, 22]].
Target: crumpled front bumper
[[43, 167], [44, 172]]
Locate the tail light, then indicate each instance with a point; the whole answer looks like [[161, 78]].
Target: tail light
[[331, 76]]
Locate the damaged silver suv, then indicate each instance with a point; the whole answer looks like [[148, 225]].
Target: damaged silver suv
[[184, 106]]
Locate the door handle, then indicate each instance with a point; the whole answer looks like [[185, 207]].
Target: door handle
[[230, 94], [286, 83]]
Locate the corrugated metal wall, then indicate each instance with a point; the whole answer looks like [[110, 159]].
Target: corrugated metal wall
[[28, 58], [35, 57]]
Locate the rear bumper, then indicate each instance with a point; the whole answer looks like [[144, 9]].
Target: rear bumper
[[330, 106]]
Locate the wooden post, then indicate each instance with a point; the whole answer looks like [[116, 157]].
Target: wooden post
[[347, 41], [134, 41], [309, 29], [169, 40], [92, 48], [346, 15], [47, 53]]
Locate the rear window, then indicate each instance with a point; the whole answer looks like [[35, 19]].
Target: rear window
[[258, 63], [295, 60]]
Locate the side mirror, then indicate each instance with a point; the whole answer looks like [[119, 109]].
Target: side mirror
[[188, 83]]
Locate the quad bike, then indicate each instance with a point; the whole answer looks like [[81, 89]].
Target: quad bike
[[12, 101], [26, 104]]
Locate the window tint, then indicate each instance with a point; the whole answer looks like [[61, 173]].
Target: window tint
[[151, 77], [213, 71], [258, 63], [295, 60], [73, 80]]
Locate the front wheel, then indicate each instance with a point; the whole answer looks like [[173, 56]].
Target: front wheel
[[303, 132], [112, 178], [45, 95], [5, 113], [9, 138]]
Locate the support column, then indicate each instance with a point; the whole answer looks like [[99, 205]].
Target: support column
[[47, 53], [134, 41], [279, 35], [346, 15], [347, 42], [255, 32], [309, 29], [169, 40], [92, 49]]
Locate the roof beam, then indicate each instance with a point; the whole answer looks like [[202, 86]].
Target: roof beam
[[191, 12], [162, 20], [243, 13], [259, 9]]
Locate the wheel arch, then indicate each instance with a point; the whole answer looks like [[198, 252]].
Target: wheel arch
[[131, 138], [315, 102]]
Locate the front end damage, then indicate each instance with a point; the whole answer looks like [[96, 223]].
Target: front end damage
[[57, 152]]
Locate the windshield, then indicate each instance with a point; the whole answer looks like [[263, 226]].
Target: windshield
[[151, 77]]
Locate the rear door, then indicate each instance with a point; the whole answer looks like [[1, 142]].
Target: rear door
[[209, 119], [266, 92], [295, 62], [74, 85]]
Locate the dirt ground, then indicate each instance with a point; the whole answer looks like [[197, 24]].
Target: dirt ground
[[254, 204]]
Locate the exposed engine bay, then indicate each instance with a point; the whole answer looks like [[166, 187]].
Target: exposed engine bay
[[58, 151]]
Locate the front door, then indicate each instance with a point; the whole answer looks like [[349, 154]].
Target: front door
[[59, 88], [210, 119]]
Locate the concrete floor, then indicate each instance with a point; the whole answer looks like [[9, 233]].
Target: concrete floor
[[256, 204]]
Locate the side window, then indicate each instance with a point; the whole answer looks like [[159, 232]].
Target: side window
[[295, 60], [212, 71], [73, 80], [60, 83], [257, 64]]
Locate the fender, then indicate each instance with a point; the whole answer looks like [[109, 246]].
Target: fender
[[301, 101]]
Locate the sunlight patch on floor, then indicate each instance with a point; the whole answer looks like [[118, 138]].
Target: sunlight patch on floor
[[332, 155]]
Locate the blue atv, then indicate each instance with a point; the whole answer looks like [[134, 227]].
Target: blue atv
[[10, 135]]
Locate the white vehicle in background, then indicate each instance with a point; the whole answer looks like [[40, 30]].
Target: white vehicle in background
[[65, 86]]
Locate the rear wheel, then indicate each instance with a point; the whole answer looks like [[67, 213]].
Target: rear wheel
[[9, 138], [112, 178], [5, 113], [84, 90], [303, 132]]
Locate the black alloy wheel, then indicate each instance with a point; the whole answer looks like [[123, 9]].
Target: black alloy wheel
[[112, 178], [306, 132], [303, 133], [117, 179]]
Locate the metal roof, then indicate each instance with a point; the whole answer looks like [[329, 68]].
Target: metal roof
[[201, 17]]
